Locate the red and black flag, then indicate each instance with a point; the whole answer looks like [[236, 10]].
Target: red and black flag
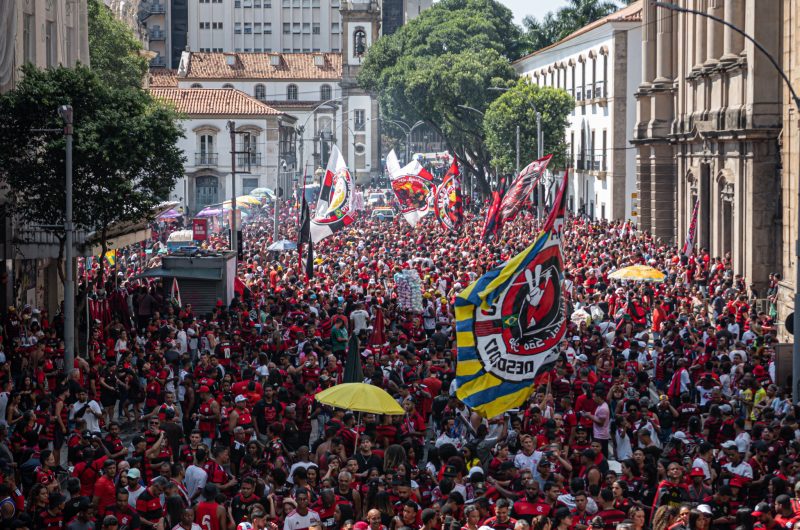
[[448, 206], [492, 225], [521, 189]]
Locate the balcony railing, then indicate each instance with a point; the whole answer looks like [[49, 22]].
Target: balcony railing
[[157, 35], [206, 159], [252, 159], [158, 62], [157, 9]]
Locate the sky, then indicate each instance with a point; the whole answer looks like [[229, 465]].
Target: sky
[[537, 8]]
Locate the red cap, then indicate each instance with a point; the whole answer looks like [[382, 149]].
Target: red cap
[[204, 389], [737, 481], [697, 472]]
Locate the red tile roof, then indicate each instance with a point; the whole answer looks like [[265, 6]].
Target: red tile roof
[[217, 101], [259, 66], [162, 77], [631, 13]]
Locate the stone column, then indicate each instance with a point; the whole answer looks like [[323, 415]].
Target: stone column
[[662, 191], [699, 36], [664, 46], [643, 187], [714, 32], [649, 14], [733, 42]]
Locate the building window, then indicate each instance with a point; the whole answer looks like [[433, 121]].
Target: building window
[[257, 28], [315, 28], [360, 149], [314, 3], [227, 85], [306, 28], [359, 42], [237, 28], [287, 28], [267, 28], [206, 191], [359, 119], [286, 3], [291, 92], [256, 3], [29, 38], [248, 28], [605, 148], [237, 4], [295, 27], [335, 27], [216, 25], [260, 92], [50, 43], [196, 85], [248, 3], [306, 3], [325, 92], [249, 184]]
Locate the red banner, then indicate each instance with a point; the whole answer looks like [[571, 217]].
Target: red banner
[[200, 229]]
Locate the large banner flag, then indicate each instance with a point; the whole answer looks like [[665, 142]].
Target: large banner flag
[[520, 190], [335, 204], [448, 208], [688, 246], [510, 321], [413, 186], [491, 226]]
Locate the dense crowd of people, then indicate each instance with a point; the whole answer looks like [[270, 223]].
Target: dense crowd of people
[[662, 412]]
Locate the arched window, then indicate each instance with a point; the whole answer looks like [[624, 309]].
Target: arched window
[[260, 92], [325, 92], [359, 42], [197, 85], [291, 92], [227, 85]]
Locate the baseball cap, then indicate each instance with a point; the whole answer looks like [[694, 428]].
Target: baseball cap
[[679, 435], [730, 444], [704, 508], [725, 409], [204, 389], [240, 398], [110, 520], [697, 472], [582, 358], [134, 473], [761, 509]]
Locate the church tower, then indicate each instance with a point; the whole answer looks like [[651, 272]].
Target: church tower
[[361, 24]]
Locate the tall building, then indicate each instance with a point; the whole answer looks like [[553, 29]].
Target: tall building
[[286, 26], [708, 131], [599, 65], [164, 24]]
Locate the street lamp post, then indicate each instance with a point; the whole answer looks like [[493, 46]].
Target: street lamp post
[[301, 129], [65, 111], [407, 129], [796, 100]]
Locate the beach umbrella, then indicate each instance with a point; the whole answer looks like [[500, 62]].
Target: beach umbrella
[[638, 273]]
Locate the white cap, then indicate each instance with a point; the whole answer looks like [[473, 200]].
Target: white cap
[[239, 399], [730, 444], [582, 358], [704, 508], [475, 469], [679, 435]]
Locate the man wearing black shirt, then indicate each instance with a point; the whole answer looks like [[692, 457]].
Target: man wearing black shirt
[[365, 457], [242, 501]]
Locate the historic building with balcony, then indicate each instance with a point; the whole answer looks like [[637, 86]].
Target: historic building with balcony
[[264, 138], [599, 65]]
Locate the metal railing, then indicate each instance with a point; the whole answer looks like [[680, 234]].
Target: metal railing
[[157, 9], [157, 35], [253, 159], [158, 62], [206, 159]]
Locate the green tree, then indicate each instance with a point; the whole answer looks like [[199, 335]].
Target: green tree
[[515, 107], [567, 20], [446, 57], [125, 154], [114, 53]]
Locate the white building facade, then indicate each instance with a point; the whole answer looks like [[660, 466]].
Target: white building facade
[[600, 66], [286, 26], [263, 136], [307, 86]]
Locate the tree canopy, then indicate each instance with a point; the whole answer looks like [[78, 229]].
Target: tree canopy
[[517, 107], [125, 154], [555, 26], [114, 53], [442, 62]]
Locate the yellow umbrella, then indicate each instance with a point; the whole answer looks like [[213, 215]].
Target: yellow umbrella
[[638, 273], [360, 397], [248, 199]]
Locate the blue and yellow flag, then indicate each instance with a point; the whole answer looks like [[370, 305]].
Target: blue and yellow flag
[[510, 321]]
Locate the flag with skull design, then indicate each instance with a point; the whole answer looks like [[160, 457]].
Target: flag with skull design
[[510, 321]]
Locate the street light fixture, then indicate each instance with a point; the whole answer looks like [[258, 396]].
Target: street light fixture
[[408, 130], [65, 112], [796, 100], [301, 129]]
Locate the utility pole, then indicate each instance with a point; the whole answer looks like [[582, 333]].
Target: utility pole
[[539, 154], [281, 171], [517, 149], [65, 111], [234, 238]]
